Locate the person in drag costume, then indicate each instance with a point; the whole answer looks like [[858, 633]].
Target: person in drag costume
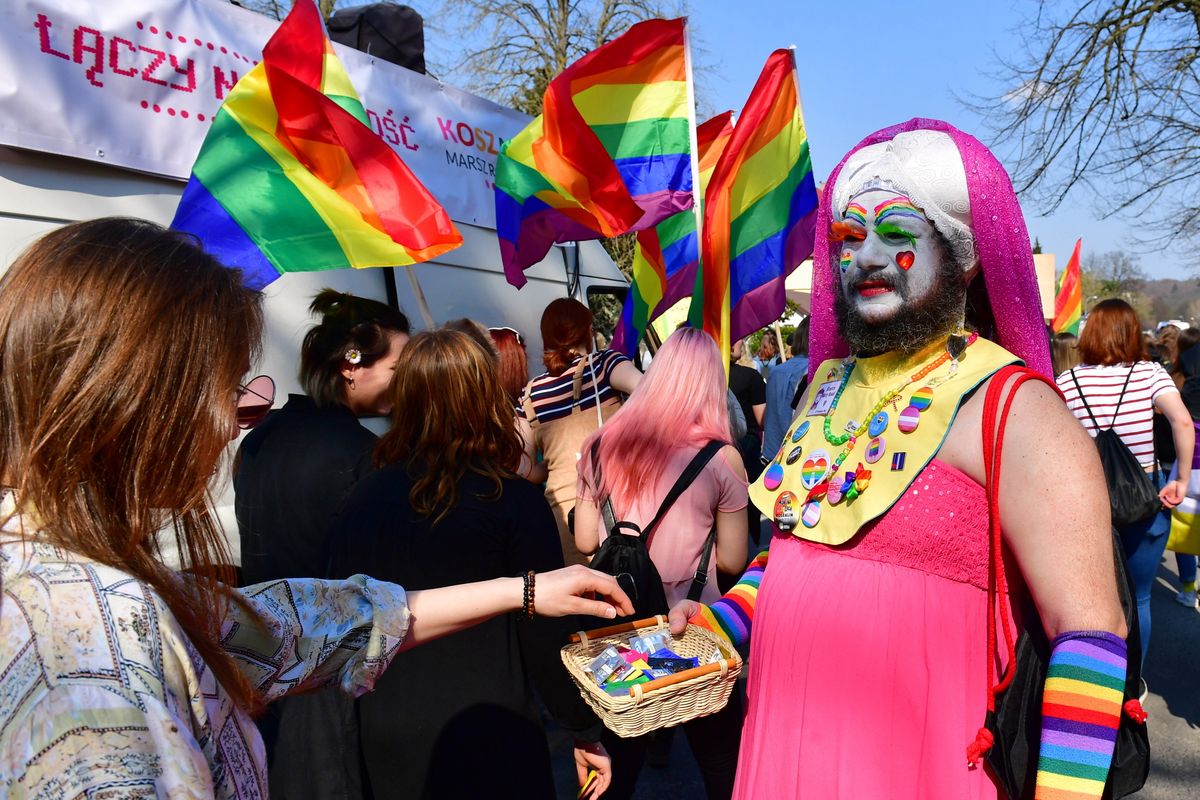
[[869, 664]]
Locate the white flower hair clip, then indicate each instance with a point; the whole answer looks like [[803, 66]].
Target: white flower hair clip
[[354, 355]]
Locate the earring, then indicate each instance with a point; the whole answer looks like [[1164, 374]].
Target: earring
[[352, 384]]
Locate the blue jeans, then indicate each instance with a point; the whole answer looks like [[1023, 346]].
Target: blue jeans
[[1187, 567], [1144, 544]]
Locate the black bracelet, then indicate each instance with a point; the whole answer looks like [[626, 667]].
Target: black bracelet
[[527, 605]]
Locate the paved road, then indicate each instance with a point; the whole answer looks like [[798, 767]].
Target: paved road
[[1172, 673]]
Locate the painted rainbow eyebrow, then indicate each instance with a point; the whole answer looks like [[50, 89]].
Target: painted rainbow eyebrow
[[898, 206], [857, 213]]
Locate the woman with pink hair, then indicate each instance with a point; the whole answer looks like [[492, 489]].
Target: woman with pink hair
[[632, 462]]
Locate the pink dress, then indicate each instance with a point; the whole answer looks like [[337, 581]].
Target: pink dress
[[867, 661]]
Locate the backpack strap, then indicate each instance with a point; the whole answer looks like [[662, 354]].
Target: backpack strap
[[994, 421], [1092, 416], [690, 473], [700, 579]]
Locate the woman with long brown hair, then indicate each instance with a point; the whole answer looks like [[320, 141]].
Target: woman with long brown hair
[[446, 506], [1117, 387], [121, 350]]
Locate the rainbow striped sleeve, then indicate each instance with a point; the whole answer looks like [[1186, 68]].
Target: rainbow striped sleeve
[[1081, 709], [732, 615]]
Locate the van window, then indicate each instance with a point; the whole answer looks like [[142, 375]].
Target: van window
[[606, 303]]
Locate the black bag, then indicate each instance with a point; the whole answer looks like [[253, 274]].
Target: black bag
[[1131, 493], [392, 32], [626, 556], [1016, 723]]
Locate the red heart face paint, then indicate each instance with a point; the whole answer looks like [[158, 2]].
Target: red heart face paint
[[904, 259]]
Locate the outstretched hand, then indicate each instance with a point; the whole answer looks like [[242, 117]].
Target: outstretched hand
[[592, 757], [568, 591], [680, 614]]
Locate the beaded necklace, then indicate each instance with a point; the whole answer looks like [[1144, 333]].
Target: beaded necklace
[[856, 482]]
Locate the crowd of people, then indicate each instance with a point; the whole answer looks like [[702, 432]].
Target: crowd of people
[[864, 464]]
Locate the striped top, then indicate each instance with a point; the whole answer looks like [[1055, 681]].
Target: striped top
[[552, 396], [1101, 386]]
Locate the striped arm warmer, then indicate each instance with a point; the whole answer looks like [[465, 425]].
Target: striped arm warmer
[[732, 614], [1081, 709]]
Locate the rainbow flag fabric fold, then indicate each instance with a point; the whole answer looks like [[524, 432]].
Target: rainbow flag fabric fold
[[667, 256], [760, 208], [610, 153], [290, 177], [1068, 301]]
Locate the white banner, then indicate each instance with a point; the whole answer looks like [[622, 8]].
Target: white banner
[[135, 84]]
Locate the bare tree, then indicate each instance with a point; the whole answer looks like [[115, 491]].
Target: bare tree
[[1106, 97], [512, 48]]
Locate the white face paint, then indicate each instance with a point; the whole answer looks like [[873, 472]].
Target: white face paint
[[890, 255]]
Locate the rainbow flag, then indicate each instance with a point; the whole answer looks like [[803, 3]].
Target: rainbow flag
[[667, 256], [760, 209], [290, 177], [1068, 302], [610, 153]]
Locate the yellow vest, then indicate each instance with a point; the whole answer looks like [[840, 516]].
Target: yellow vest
[[800, 490]]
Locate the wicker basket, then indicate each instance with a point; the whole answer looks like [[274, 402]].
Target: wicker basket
[[660, 703]]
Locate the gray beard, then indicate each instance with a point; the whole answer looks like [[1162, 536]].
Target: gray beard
[[915, 325]]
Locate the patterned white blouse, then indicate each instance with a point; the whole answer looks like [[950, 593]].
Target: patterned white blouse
[[102, 694]]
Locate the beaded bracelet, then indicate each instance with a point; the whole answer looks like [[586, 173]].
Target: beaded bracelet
[[527, 605]]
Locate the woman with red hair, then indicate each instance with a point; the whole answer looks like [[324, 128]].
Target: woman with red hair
[[1118, 387], [579, 390]]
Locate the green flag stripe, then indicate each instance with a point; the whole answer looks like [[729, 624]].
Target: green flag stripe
[[769, 213], [240, 174], [645, 137]]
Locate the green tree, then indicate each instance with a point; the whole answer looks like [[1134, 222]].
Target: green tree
[[1106, 96]]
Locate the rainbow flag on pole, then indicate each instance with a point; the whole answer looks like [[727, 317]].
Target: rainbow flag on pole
[[667, 256], [760, 209], [290, 177], [1068, 302], [610, 153]]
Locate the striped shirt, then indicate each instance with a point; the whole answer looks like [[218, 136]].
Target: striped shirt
[[1134, 421], [552, 396]]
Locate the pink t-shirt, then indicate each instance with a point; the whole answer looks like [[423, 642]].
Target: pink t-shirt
[[676, 545]]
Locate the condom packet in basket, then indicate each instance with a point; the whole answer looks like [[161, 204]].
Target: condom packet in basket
[[603, 666]]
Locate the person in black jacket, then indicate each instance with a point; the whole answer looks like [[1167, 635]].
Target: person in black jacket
[[291, 474], [457, 719]]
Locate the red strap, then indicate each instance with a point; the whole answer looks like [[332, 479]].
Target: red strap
[[993, 444]]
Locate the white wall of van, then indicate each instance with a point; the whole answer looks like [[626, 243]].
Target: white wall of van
[[39, 192]]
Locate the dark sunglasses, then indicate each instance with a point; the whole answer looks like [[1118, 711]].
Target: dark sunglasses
[[513, 331], [254, 400]]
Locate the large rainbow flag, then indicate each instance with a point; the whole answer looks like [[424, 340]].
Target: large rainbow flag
[[667, 256], [760, 209], [290, 177], [1068, 302], [610, 153]]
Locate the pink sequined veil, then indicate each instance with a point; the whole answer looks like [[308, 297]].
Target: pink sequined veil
[[1001, 241]]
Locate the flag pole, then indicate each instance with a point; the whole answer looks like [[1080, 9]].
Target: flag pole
[[697, 197], [419, 296]]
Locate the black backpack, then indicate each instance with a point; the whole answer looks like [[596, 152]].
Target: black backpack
[[1131, 493], [625, 553]]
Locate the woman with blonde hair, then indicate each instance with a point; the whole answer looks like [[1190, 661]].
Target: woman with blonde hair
[[122, 346], [446, 506]]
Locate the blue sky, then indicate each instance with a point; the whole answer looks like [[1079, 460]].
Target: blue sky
[[869, 64]]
